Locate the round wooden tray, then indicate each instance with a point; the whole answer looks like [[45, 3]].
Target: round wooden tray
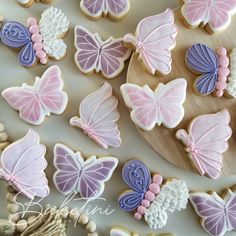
[[163, 140]]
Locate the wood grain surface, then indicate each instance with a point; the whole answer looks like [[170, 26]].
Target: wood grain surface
[[163, 140]]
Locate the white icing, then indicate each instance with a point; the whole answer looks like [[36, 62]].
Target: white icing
[[172, 197], [231, 87], [23, 1], [53, 25]]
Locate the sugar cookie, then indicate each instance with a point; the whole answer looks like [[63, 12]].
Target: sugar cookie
[[95, 55], [28, 3], [154, 39], [214, 15], [98, 117], [149, 196], [206, 141], [40, 40], [23, 164], [162, 106], [114, 9], [35, 102], [216, 212], [75, 174]]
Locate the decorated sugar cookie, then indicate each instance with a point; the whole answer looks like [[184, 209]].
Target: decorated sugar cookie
[[162, 106], [40, 40], [99, 116], [215, 15], [212, 67], [95, 55], [28, 3], [122, 231], [95, 9], [75, 174], [149, 197], [154, 39], [231, 86], [217, 213], [206, 141], [23, 164], [35, 102]]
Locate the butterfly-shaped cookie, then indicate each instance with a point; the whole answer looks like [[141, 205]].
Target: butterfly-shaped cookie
[[28, 3], [23, 164], [212, 67], [98, 116], [162, 106], [217, 214], [40, 40], [95, 55], [206, 141], [151, 199], [35, 102], [95, 9], [216, 15], [74, 174], [154, 39]]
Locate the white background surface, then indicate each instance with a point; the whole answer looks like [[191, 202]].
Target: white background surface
[[56, 128]]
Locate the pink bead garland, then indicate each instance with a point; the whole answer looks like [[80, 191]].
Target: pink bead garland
[[37, 40], [223, 72], [153, 190]]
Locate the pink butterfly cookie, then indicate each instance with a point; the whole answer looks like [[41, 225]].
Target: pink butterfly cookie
[[43, 98], [95, 55], [154, 39], [98, 117], [162, 106], [206, 141], [23, 164], [95, 9], [216, 15], [217, 214], [74, 174]]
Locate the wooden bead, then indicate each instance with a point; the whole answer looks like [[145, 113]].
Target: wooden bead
[[31, 220], [13, 217], [83, 219], [12, 208], [64, 212], [21, 225], [91, 227], [74, 214], [3, 137], [1, 125], [10, 197]]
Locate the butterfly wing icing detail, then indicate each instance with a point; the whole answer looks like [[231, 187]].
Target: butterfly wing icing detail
[[218, 215], [35, 102], [23, 164], [216, 14], [172, 197], [76, 175], [53, 26], [162, 106], [97, 8], [154, 40], [98, 117], [206, 142]]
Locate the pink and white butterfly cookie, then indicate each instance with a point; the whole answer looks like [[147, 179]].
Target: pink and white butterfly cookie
[[162, 106], [217, 213], [154, 39], [28, 3], [95, 55], [98, 117], [215, 15], [114, 9], [76, 175], [35, 102], [23, 164], [206, 141]]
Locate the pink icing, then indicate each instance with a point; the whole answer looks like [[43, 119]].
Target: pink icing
[[217, 14], [37, 40], [206, 142]]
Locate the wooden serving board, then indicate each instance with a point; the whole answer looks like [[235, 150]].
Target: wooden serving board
[[163, 140]]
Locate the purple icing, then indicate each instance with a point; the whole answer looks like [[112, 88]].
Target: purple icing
[[136, 175], [203, 60], [15, 35]]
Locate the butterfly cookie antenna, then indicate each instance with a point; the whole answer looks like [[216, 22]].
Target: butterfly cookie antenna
[[183, 136], [130, 38]]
